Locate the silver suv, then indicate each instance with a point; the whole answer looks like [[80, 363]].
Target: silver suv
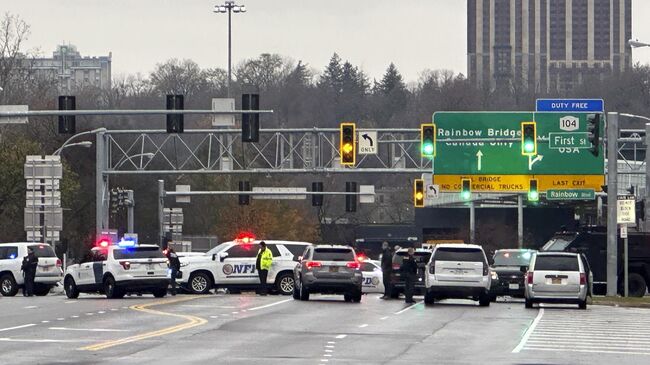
[[556, 278], [328, 269]]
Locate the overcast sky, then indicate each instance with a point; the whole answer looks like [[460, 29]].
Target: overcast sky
[[414, 34]]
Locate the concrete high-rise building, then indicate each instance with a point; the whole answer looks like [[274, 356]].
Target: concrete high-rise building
[[72, 70], [546, 45]]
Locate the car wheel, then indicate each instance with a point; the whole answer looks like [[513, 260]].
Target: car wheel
[[304, 293], [8, 286], [159, 293], [284, 284], [71, 290], [636, 285], [583, 304], [529, 303], [428, 299], [356, 296], [347, 297], [484, 300], [41, 290], [111, 290], [200, 283], [493, 298]]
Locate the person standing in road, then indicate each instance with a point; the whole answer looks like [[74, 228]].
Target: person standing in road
[[175, 266], [262, 265], [386, 268], [409, 270], [30, 263]]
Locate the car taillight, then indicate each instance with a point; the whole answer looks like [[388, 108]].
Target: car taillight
[[432, 268], [312, 264], [353, 265], [58, 263], [583, 279], [529, 277], [486, 272], [125, 264], [396, 266]]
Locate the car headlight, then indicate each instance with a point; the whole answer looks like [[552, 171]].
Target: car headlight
[[494, 275]]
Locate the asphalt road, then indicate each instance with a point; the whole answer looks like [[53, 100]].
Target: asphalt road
[[248, 329]]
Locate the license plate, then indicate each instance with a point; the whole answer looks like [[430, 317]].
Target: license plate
[[556, 281], [513, 286], [150, 266], [334, 269], [46, 268]]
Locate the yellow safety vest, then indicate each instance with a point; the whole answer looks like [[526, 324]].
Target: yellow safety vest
[[266, 260]]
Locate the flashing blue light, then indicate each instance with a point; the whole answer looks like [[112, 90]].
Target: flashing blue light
[[525, 255], [127, 243], [12, 256]]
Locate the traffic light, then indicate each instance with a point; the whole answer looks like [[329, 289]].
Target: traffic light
[[347, 147], [466, 189], [115, 200], [428, 140], [250, 122], [67, 123], [533, 193], [350, 200], [175, 122], [529, 138], [418, 193], [244, 199], [593, 129], [317, 199]]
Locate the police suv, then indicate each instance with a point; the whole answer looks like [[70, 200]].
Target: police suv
[[118, 269], [231, 265], [48, 272]]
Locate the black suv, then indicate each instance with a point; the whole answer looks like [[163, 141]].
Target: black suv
[[509, 279], [422, 257]]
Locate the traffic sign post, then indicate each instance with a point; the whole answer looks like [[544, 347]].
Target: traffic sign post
[[367, 142], [626, 214]]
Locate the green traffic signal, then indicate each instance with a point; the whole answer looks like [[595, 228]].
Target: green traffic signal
[[428, 140], [427, 149], [466, 189], [529, 138], [533, 193]]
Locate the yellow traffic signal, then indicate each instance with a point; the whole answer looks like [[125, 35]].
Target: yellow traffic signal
[[529, 138], [418, 193], [348, 142]]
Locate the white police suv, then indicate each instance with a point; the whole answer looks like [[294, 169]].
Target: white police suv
[[117, 269], [48, 271], [231, 265]]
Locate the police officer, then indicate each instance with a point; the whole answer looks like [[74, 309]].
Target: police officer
[[262, 265], [30, 262], [409, 271], [386, 268], [175, 266]]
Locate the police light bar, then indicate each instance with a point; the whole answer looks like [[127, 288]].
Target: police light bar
[[127, 243], [245, 238], [103, 242]]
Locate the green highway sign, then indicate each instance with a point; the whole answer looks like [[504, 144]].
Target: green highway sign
[[575, 194], [489, 143]]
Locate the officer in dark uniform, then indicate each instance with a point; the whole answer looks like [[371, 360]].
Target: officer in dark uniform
[[175, 266], [386, 268], [409, 270], [30, 263]]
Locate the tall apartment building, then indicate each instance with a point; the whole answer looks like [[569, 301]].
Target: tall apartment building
[[72, 70], [548, 45]]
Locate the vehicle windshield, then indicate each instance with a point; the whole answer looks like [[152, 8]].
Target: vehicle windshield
[[556, 263], [333, 254], [138, 253], [420, 257], [512, 258], [220, 247], [459, 254], [43, 251], [558, 243]]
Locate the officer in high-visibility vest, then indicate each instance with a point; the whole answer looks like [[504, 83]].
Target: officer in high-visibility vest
[[262, 265]]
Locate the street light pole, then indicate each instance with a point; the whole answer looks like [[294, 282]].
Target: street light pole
[[229, 7]]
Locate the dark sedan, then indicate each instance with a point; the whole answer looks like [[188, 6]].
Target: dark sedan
[[509, 278]]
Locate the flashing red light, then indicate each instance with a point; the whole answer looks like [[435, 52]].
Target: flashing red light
[[245, 237], [353, 265], [104, 242], [362, 257], [313, 264]]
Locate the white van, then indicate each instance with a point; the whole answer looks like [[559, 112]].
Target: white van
[[48, 272]]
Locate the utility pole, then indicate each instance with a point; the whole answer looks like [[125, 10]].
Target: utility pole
[[130, 205], [520, 221], [646, 198], [612, 197]]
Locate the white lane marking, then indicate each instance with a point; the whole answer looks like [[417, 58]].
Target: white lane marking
[[235, 312], [592, 338], [31, 307], [363, 325], [529, 332], [244, 310], [589, 347], [382, 318], [45, 321], [589, 351], [329, 350], [225, 314], [214, 316], [115, 309], [60, 319], [70, 302], [270, 305], [40, 341], [329, 347], [331, 342], [341, 336], [327, 355], [407, 308], [89, 314], [101, 312], [324, 360], [17, 327], [75, 316], [86, 329]]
